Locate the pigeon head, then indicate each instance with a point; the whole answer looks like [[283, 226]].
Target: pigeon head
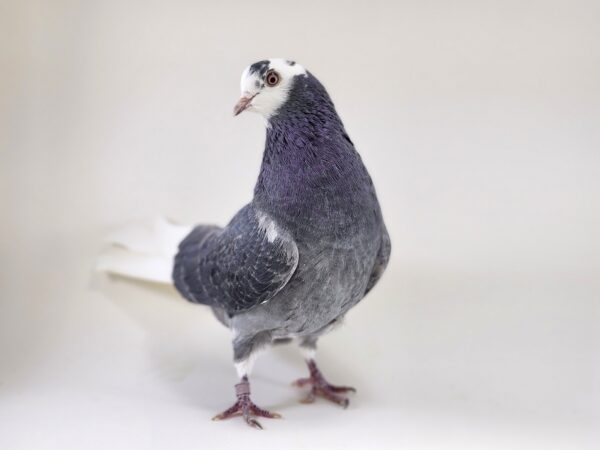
[[266, 86]]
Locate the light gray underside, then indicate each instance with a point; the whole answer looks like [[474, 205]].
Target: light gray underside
[[331, 277]]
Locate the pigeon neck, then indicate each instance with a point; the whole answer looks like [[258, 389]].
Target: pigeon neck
[[310, 169]]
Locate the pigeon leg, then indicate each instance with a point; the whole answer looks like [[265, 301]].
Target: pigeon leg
[[244, 406], [320, 387]]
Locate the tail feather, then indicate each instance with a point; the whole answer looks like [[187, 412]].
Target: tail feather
[[143, 251]]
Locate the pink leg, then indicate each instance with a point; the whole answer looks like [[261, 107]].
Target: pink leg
[[244, 407], [320, 387]]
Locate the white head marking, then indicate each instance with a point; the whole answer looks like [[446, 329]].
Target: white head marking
[[267, 99]]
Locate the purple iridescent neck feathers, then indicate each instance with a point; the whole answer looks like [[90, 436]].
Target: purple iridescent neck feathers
[[310, 167]]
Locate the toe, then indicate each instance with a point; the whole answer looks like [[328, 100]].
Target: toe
[[233, 411], [310, 398], [263, 412], [300, 382], [332, 397]]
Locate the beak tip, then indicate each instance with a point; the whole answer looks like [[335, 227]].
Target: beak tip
[[242, 104]]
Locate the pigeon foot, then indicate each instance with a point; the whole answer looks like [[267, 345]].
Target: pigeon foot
[[245, 407], [320, 387]]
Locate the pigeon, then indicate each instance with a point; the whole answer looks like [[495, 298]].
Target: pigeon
[[310, 245]]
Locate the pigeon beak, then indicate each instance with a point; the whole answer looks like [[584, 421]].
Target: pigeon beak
[[243, 103]]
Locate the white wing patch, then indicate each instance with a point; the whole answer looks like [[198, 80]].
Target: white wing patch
[[268, 225]]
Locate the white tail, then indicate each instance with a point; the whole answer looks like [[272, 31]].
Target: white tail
[[144, 250]]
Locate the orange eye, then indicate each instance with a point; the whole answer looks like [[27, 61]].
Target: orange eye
[[272, 78]]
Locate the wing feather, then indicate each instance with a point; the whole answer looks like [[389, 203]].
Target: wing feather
[[236, 267]]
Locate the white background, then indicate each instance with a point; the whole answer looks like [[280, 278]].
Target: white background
[[479, 122]]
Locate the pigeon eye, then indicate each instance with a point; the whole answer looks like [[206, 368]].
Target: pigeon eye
[[272, 78]]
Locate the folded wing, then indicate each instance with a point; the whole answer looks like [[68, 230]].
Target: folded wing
[[236, 267]]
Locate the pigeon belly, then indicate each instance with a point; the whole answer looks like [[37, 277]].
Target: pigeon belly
[[330, 279]]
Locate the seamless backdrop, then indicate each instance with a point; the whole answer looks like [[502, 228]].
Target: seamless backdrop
[[479, 122]]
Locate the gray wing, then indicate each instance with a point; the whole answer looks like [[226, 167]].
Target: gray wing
[[381, 261], [236, 267]]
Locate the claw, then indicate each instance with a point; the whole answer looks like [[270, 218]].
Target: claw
[[254, 423], [342, 389]]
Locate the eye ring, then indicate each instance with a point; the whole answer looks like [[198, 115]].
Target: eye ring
[[272, 78]]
